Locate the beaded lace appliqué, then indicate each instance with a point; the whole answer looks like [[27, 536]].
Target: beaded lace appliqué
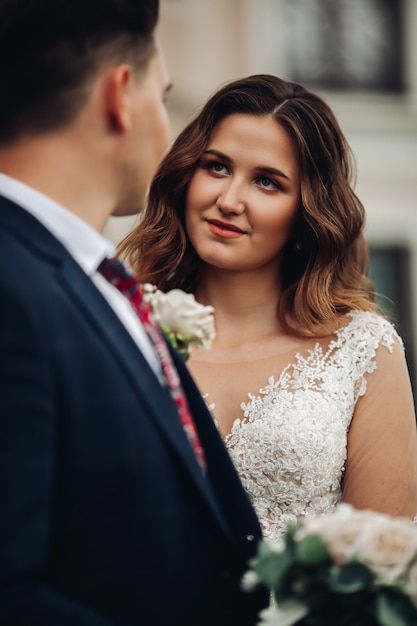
[[290, 446]]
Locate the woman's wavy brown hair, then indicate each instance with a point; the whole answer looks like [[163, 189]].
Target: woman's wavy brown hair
[[324, 264]]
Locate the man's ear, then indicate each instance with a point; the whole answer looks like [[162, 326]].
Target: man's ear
[[118, 97]]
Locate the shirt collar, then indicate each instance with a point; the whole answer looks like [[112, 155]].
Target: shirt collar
[[86, 245]]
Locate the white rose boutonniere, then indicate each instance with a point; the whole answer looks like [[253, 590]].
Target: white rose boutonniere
[[348, 568], [182, 319]]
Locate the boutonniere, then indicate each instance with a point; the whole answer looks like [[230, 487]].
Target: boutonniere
[[350, 568], [184, 321]]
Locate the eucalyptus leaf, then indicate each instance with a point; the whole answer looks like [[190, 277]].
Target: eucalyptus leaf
[[272, 568], [394, 609], [351, 578], [286, 614], [312, 551]]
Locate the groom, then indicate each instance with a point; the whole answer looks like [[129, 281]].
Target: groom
[[107, 516]]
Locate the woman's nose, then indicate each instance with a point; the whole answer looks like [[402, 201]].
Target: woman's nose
[[231, 199]]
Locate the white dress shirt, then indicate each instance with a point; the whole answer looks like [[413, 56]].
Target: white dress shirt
[[88, 247]]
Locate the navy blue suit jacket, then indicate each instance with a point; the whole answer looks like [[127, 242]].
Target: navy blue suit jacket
[[105, 516]]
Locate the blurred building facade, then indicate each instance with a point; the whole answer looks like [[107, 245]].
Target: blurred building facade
[[361, 56]]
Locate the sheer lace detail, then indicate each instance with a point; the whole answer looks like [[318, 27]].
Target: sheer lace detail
[[290, 447]]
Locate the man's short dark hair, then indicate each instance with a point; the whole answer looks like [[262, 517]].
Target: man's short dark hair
[[50, 49]]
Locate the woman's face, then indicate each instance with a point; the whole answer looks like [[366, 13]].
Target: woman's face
[[243, 198]]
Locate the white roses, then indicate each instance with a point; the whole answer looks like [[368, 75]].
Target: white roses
[[181, 318], [386, 545], [351, 567]]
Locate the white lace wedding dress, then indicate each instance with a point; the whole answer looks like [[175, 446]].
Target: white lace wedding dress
[[290, 447]]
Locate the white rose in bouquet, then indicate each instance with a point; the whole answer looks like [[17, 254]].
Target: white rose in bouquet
[[412, 583], [387, 546], [182, 319], [340, 532]]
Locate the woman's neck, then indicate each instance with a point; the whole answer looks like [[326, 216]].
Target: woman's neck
[[245, 304]]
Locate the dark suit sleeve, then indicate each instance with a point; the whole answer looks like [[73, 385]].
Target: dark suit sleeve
[[223, 475], [29, 408]]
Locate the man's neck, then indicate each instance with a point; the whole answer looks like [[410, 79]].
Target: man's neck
[[63, 172]]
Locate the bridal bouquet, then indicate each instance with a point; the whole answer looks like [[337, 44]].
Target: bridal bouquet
[[348, 568], [181, 318]]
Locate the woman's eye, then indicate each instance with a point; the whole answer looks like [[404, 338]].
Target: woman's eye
[[217, 167], [267, 183]]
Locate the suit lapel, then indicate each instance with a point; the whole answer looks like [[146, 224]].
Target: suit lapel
[[157, 399]]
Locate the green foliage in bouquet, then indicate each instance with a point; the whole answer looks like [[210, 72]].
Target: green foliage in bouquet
[[312, 587]]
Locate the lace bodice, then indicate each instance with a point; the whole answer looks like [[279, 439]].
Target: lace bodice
[[290, 447]]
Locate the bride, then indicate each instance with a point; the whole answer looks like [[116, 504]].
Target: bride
[[253, 211]]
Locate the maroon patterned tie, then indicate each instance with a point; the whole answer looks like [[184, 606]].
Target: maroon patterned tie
[[118, 275]]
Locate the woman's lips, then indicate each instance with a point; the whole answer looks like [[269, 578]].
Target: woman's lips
[[221, 229]]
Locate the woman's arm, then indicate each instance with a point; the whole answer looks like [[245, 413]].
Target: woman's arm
[[381, 467]]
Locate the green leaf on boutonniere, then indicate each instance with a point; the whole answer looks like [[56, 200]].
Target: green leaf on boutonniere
[[178, 342]]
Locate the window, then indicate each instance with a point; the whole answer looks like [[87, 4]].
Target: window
[[345, 44], [390, 273]]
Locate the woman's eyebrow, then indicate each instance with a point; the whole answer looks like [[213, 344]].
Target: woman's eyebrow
[[271, 171], [218, 154]]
